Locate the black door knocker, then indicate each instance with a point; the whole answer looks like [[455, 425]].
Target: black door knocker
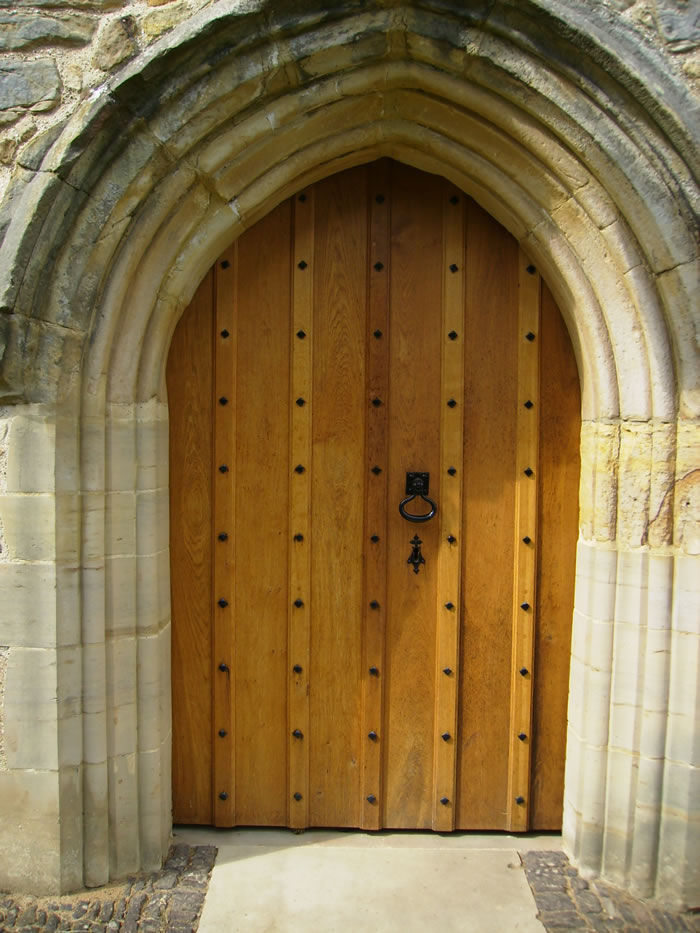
[[417, 484]]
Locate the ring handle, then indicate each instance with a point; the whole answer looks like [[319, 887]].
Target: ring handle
[[417, 518]]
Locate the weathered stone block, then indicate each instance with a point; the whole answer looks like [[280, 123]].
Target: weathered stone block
[[30, 831], [28, 30], [27, 86], [116, 43]]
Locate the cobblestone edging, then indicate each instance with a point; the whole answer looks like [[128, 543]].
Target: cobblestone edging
[[168, 900], [565, 901]]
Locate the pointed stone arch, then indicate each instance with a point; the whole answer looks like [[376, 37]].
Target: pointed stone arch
[[552, 119]]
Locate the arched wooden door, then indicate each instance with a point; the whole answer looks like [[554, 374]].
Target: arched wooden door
[[379, 323]]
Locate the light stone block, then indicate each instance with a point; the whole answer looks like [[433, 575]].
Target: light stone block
[[29, 523], [148, 592], [28, 617], [30, 832], [580, 636], [153, 508], [652, 736], [686, 595], [650, 783], [150, 789], [121, 671], [678, 878], [31, 710], [572, 768], [683, 738], [122, 731], [628, 664], [657, 670], [595, 591], [121, 460], [93, 520], [31, 455], [120, 523], [600, 650], [70, 742], [123, 815], [165, 698], [596, 707], [149, 667], [150, 435], [577, 694], [592, 796], [643, 851], [96, 823], [625, 727], [621, 784], [68, 603], [94, 737], [120, 591], [660, 588], [681, 789], [631, 595]]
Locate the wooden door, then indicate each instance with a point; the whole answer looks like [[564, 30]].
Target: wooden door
[[377, 323]]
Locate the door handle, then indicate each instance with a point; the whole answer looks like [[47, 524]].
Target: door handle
[[417, 484]]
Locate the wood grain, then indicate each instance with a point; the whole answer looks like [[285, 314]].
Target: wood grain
[[490, 348], [560, 430], [340, 406], [415, 413], [189, 381], [526, 481]]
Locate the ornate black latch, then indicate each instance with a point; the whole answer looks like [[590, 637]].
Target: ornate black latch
[[417, 484]]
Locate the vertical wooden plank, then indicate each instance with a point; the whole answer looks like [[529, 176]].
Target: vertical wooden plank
[[340, 407], [559, 467], [415, 413], [375, 539], [299, 471], [223, 512], [490, 348], [262, 539], [525, 546], [449, 514], [189, 381]]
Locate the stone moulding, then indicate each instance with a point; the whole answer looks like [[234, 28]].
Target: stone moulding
[[569, 131]]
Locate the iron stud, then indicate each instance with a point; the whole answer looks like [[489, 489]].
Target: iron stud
[[299, 468], [301, 334], [223, 468], [522, 736], [298, 603], [298, 734], [376, 402], [302, 198], [531, 269], [379, 266], [449, 606], [298, 537], [527, 539], [371, 798], [223, 795], [452, 470], [525, 606], [454, 267], [223, 667], [529, 336], [297, 796], [301, 402], [447, 671], [529, 404], [451, 403], [528, 471], [223, 603], [374, 671], [453, 335], [454, 199], [224, 334], [451, 539], [379, 199], [222, 733], [377, 334], [374, 604], [372, 735], [302, 264], [222, 536], [445, 736], [223, 400], [444, 801], [374, 538], [297, 668], [225, 264], [520, 800], [524, 672], [376, 470]]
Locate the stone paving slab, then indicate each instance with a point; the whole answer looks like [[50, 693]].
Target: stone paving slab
[[567, 902], [167, 901]]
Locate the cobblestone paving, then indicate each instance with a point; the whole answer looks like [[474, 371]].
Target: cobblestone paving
[[168, 900], [567, 902]]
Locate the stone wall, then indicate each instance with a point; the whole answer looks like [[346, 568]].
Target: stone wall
[[573, 124], [55, 53]]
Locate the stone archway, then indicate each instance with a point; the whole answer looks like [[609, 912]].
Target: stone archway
[[108, 232]]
